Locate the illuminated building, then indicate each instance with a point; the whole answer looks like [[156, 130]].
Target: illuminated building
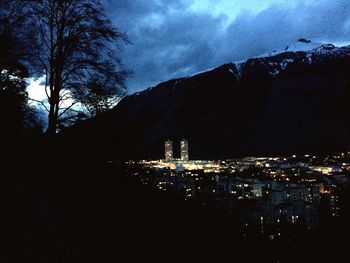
[[184, 150], [168, 150], [323, 169]]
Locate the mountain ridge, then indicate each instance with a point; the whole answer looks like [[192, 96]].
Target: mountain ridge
[[287, 103]]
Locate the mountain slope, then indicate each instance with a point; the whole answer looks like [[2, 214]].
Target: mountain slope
[[286, 103]]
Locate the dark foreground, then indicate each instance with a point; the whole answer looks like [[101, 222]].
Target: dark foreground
[[88, 211]]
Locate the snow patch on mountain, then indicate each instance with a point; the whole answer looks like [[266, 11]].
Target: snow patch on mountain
[[236, 69], [276, 68]]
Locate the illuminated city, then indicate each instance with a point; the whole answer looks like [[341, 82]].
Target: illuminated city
[[269, 194]]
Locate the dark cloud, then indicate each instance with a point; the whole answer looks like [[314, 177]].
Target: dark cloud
[[171, 40], [277, 27]]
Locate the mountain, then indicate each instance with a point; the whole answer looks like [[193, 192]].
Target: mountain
[[302, 44], [290, 102]]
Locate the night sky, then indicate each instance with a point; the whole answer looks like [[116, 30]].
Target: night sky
[[174, 38]]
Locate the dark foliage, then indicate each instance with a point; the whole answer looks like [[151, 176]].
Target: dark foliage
[[99, 94], [16, 116], [89, 211]]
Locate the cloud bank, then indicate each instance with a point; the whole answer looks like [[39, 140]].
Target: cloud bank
[[173, 39]]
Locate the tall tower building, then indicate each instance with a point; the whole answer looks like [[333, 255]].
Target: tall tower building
[[184, 150], [168, 150]]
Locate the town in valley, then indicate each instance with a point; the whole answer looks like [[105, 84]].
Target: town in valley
[[271, 196]]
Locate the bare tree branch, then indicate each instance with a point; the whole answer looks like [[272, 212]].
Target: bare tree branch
[[66, 109], [41, 102]]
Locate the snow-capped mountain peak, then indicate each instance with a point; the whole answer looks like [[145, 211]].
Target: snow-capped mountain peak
[[303, 51], [301, 45]]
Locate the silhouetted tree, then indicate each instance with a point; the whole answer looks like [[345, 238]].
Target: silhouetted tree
[[99, 94], [16, 116], [13, 98], [74, 44]]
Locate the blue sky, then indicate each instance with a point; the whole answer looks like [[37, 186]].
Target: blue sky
[[175, 38]]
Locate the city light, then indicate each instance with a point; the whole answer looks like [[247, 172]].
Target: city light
[[270, 191]]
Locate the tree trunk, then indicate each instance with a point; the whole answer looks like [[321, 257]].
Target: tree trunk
[[52, 126], [53, 113]]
